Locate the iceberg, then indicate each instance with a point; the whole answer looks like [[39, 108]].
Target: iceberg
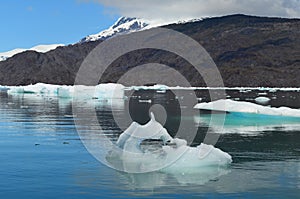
[[109, 90], [246, 118], [241, 89], [3, 89], [65, 92], [101, 91], [248, 124], [158, 87], [173, 155], [230, 106], [39, 88]]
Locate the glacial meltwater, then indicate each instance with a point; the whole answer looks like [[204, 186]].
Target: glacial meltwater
[[42, 156]]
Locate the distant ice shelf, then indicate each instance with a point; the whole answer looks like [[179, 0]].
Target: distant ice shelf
[[109, 90], [67, 91], [241, 89]]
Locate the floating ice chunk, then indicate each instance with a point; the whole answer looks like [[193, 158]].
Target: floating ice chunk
[[109, 90], [228, 105], [39, 88], [65, 92], [158, 87], [173, 156], [115, 91], [194, 157], [247, 123], [3, 89], [264, 93], [135, 134], [262, 100], [149, 101], [15, 90]]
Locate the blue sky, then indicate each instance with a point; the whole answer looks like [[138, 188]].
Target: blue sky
[[26, 23]]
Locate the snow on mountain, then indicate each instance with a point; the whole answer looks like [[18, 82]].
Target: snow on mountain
[[123, 25], [189, 20], [39, 48]]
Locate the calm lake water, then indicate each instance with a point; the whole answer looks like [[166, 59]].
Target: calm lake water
[[42, 156]]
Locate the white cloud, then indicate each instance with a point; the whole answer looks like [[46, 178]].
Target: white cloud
[[174, 10]]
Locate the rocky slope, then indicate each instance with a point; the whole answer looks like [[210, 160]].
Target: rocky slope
[[249, 51]]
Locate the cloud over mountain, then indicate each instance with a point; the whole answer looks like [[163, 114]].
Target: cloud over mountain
[[174, 10]]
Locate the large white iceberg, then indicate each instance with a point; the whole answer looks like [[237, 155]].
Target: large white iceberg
[[101, 91], [246, 118], [174, 154], [39, 88], [227, 105]]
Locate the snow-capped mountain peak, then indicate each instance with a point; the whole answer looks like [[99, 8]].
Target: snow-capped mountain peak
[[123, 25]]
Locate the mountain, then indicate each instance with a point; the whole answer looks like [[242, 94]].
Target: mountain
[[123, 25], [248, 50], [39, 48]]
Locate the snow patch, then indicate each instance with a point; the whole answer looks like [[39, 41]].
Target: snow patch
[[123, 25], [39, 48]]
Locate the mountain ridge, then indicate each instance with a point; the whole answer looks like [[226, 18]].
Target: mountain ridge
[[39, 48], [248, 50]]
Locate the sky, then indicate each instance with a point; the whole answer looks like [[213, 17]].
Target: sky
[[27, 23]]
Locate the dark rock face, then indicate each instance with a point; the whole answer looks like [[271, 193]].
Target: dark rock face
[[249, 51], [58, 66]]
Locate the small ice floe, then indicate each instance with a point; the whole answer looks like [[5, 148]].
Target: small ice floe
[[69, 116], [264, 93], [24, 107], [149, 101], [262, 100], [161, 91], [173, 155]]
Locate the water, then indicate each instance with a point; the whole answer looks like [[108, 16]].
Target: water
[[42, 156]]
